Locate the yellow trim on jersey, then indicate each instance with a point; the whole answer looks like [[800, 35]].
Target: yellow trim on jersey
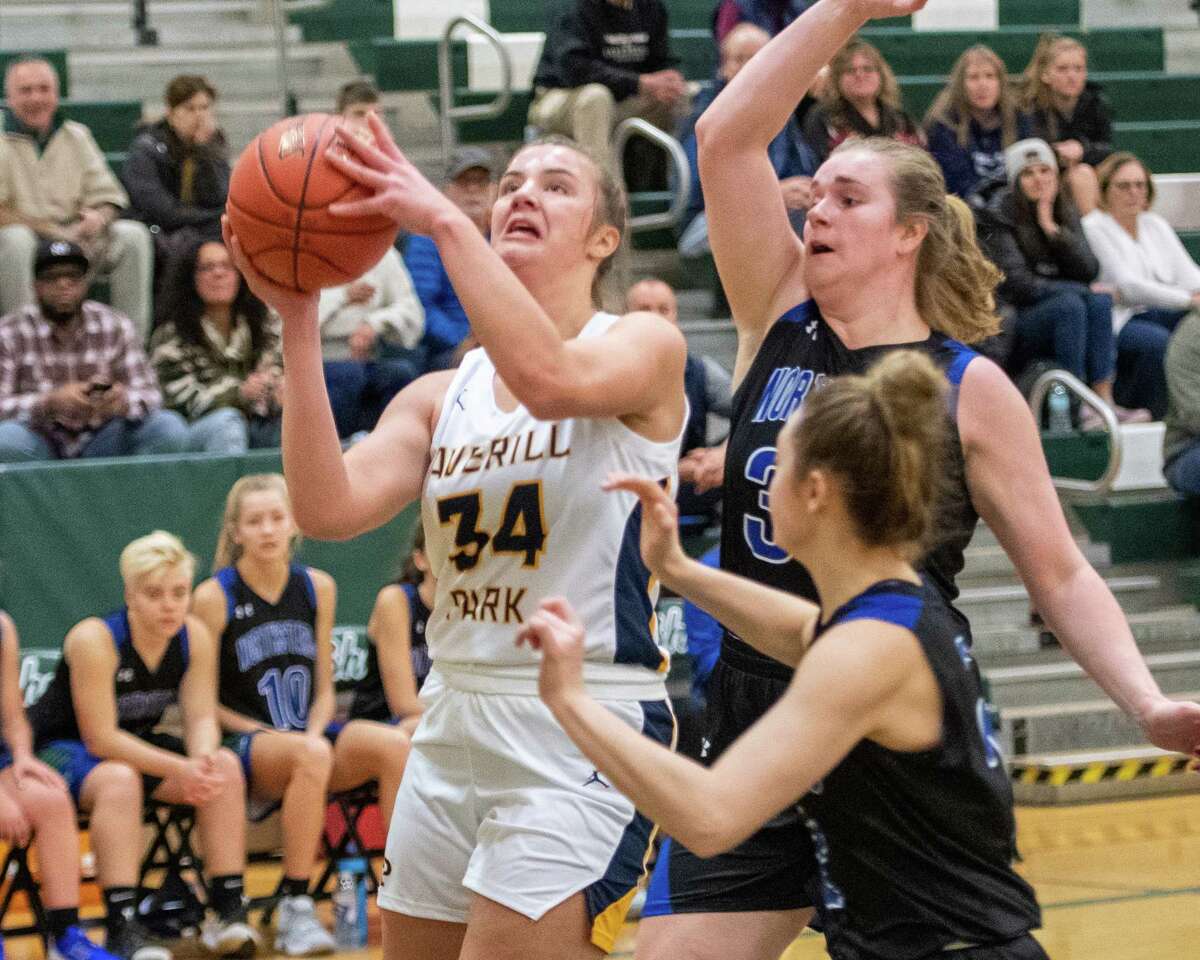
[[607, 925]]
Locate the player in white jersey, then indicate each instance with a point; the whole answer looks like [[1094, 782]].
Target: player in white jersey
[[505, 842]]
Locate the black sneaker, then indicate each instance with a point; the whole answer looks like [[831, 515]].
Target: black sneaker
[[132, 941]]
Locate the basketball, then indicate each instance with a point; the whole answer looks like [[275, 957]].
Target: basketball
[[279, 197]]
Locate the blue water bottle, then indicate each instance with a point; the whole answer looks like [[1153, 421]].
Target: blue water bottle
[[350, 904], [1059, 402]]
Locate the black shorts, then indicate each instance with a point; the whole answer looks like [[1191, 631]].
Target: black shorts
[[1022, 948], [770, 870]]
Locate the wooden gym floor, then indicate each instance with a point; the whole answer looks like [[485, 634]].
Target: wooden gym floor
[[1117, 881]]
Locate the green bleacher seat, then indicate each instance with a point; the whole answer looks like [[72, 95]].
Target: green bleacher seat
[[522, 16], [112, 122], [1017, 13], [1191, 242], [57, 59], [345, 20], [509, 127], [1143, 526], [1166, 146], [407, 65], [933, 52]]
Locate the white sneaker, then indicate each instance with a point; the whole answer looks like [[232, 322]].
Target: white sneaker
[[299, 932], [229, 938]]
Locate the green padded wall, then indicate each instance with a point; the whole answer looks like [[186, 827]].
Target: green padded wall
[[65, 524]]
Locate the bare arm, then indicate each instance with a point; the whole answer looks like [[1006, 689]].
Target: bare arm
[[870, 680], [1010, 486], [389, 630], [16, 731], [93, 659], [209, 606], [198, 692], [321, 712]]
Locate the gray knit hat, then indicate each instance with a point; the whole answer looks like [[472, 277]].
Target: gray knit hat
[[1025, 153]]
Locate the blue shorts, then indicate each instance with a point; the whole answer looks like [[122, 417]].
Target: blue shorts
[[240, 744], [74, 761]]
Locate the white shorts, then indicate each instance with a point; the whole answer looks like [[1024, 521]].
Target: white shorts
[[497, 801]]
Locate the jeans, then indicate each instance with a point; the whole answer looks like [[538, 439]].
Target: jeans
[[360, 390], [1141, 352], [1072, 328], [1183, 472], [162, 431]]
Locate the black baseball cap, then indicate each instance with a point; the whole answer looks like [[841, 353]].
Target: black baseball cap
[[470, 158], [52, 252]]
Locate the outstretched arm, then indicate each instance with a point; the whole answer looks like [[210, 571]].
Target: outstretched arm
[[1010, 486], [775, 623]]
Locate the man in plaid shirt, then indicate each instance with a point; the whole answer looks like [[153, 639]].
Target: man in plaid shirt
[[74, 379]]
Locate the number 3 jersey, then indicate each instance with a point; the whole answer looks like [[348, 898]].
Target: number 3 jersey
[[269, 650], [514, 513]]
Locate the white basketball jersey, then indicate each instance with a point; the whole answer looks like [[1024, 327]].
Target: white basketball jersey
[[513, 513]]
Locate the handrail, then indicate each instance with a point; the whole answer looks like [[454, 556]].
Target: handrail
[[1116, 443], [287, 102], [449, 112], [636, 126]]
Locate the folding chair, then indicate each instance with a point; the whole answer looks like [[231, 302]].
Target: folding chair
[[351, 804], [16, 877]]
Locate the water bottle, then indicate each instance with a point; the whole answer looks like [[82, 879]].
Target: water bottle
[[350, 904], [1059, 403]]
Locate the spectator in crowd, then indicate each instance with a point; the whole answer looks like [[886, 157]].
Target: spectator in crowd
[[356, 101], [769, 15], [1069, 112], [55, 185], [973, 121], [603, 62], [74, 379], [861, 99], [359, 321], [471, 184], [177, 170], [709, 389], [216, 352], [1181, 442], [1031, 230], [274, 620], [98, 725], [793, 159], [1154, 279], [398, 657], [35, 804]]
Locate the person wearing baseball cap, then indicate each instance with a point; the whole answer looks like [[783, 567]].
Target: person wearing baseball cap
[[1031, 230], [471, 184], [81, 385]]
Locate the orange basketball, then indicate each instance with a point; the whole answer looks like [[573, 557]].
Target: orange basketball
[[279, 197]]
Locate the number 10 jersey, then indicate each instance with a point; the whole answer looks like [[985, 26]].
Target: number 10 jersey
[[514, 513]]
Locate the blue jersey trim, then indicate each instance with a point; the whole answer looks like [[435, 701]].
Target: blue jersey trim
[[183, 646], [227, 577], [963, 355], [800, 313], [902, 609], [310, 589], [118, 625], [634, 613]]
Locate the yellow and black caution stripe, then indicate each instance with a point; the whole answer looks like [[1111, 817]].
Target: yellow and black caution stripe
[[1136, 768]]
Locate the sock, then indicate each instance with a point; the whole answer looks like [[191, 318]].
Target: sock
[[225, 895], [294, 887], [60, 921], [120, 904]]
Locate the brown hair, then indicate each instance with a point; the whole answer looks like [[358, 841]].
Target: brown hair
[[228, 549], [356, 91], [889, 90], [185, 86], [1108, 167], [955, 282], [612, 207], [1035, 94], [952, 107], [410, 572], [883, 435]]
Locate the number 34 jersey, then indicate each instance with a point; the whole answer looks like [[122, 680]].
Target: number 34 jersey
[[514, 513]]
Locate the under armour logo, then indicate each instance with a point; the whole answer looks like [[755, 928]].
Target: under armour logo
[[811, 329], [124, 675], [596, 778], [705, 746], [243, 610]]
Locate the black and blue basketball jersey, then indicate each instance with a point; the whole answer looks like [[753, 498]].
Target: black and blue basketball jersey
[[269, 650], [799, 353], [914, 850], [142, 694], [370, 701]]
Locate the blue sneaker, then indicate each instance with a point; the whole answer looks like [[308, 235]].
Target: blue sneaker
[[75, 945]]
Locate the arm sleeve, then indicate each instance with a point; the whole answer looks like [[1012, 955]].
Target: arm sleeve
[[1021, 286], [400, 318], [13, 405], [149, 196], [718, 386], [582, 56], [445, 320], [1098, 142], [99, 184], [954, 160], [1183, 374], [1075, 257], [1132, 287], [660, 56], [132, 367]]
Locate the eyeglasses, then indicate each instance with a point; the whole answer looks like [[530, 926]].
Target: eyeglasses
[[1141, 186]]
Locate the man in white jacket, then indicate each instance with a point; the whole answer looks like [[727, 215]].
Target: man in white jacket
[[366, 328]]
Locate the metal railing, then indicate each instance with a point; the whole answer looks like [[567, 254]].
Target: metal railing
[[637, 127], [1116, 447], [449, 113]]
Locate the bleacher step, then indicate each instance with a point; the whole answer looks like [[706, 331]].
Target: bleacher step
[[1065, 681], [1134, 771], [1097, 724], [1159, 630], [1008, 603]]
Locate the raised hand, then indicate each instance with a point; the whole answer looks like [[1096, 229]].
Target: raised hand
[[401, 192], [1174, 725], [660, 521]]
